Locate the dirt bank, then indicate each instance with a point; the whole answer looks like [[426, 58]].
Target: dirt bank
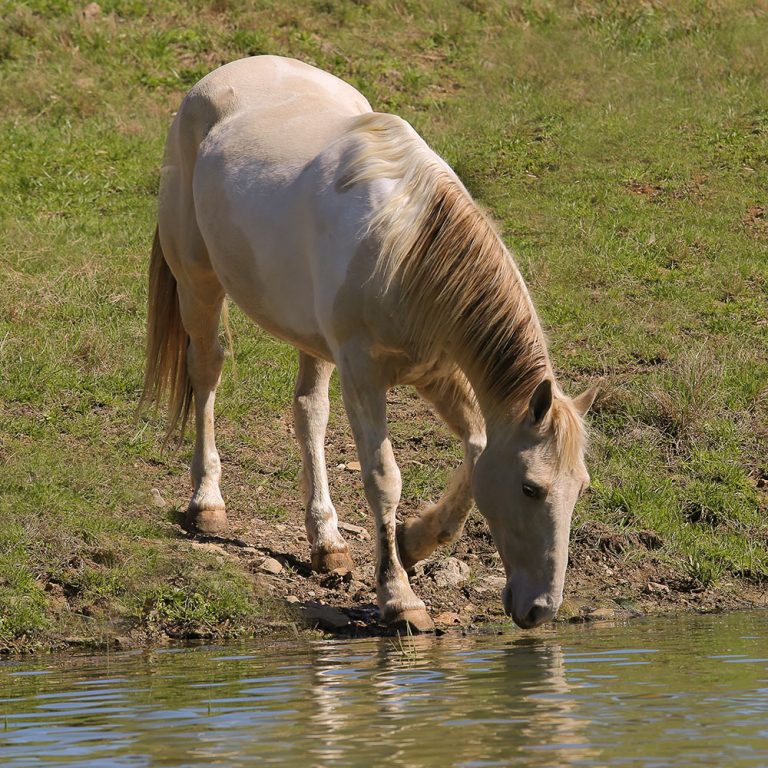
[[612, 573]]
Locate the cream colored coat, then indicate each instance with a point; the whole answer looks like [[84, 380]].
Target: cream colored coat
[[341, 232]]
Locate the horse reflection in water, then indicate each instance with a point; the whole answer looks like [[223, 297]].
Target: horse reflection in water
[[339, 230], [503, 706]]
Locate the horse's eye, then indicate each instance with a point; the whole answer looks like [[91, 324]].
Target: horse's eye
[[531, 491]]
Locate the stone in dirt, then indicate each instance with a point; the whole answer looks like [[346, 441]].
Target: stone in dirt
[[270, 565], [157, 499], [495, 582], [654, 588], [353, 466], [451, 573], [212, 549], [324, 616], [336, 577], [357, 530], [447, 618]]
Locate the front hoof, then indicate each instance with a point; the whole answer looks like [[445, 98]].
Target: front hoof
[[325, 562], [414, 621], [211, 522]]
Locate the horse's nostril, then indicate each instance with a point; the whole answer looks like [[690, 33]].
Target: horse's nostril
[[538, 615]]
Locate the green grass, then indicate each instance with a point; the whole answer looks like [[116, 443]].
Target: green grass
[[623, 149]]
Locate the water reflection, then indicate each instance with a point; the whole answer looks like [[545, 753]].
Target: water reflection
[[649, 693]]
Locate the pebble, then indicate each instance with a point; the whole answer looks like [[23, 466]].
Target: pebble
[[212, 549], [495, 582], [270, 565], [654, 588], [447, 618], [292, 599], [157, 499], [324, 616], [357, 530], [452, 572], [353, 466], [601, 614]]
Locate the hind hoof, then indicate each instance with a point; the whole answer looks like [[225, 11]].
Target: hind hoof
[[325, 562], [415, 621], [211, 522]]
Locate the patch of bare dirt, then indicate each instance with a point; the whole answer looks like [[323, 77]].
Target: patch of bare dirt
[[611, 574], [756, 221]]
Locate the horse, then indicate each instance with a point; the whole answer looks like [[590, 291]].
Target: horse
[[338, 230]]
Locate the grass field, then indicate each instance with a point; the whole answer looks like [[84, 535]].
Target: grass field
[[623, 149]]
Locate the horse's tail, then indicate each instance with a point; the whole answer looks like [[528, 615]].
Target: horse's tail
[[165, 374]]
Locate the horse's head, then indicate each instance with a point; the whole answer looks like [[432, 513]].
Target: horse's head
[[526, 484]]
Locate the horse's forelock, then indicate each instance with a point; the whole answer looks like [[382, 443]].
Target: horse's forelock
[[569, 433]]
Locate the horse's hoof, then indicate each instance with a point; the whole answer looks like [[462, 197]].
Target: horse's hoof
[[325, 562], [414, 621], [211, 522]]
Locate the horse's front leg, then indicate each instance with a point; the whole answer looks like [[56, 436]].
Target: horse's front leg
[[310, 412], [364, 393], [443, 522]]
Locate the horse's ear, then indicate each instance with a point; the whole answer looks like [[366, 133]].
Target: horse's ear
[[541, 402], [584, 401]]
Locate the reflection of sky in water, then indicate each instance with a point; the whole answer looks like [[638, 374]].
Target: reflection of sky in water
[[689, 691]]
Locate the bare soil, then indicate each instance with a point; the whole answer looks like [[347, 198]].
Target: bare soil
[[611, 574]]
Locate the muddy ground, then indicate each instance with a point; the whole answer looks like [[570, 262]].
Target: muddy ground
[[611, 574]]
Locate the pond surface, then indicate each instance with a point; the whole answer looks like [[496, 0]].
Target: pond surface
[[689, 691]]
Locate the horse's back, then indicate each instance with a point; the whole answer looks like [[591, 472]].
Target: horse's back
[[249, 142], [284, 111]]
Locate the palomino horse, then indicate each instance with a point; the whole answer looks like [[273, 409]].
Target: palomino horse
[[339, 230]]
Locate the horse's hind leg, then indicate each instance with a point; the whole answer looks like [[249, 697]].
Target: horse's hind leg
[[205, 358], [443, 522], [310, 410]]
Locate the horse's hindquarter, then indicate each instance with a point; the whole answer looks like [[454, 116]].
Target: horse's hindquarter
[[257, 177]]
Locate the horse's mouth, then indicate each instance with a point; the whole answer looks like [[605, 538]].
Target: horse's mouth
[[534, 615]]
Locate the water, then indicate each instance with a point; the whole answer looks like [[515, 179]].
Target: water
[[691, 691]]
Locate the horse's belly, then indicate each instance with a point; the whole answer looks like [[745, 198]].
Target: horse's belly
[[260, 258]]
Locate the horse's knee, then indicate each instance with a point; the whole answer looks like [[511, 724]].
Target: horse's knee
[[384, 483], [204, 363]]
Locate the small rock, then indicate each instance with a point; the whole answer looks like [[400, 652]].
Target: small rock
[[292, 599], [654, 588], [212, 549], [357, 530], [270, 565], [324, 616], [601, 614], [353, 466], [157, 499], [249, 551], [336, 578], [451, 573], [469, 608], [495, 582], [448, 618]]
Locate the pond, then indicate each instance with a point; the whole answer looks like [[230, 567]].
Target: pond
[[691, 690]]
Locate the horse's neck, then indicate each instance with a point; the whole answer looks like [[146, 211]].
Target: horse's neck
[[497, 339]]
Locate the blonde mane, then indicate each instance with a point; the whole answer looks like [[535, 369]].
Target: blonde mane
[[461, 288]]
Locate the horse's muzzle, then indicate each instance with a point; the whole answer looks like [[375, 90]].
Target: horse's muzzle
[[533, 614]]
